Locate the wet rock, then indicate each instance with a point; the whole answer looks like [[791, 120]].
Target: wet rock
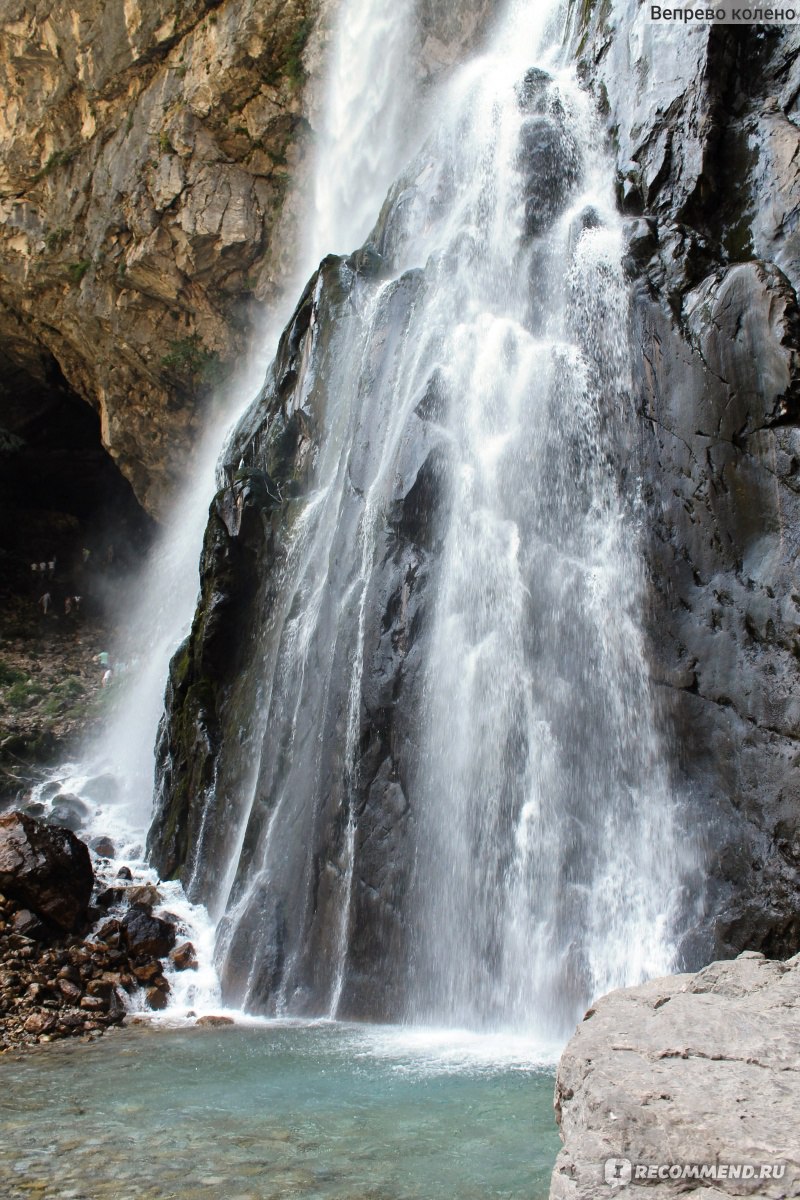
[[109, 896], [68, 811], [532, 91], [124, 873], [103, 846], [28, 924], [157, 999], [70, 991], [184, 958], [213, 1022], [93, 1004], [707, 155], [548, 161], [145, 896], [39, 1023], [145, 934], [641, 240], [48, 869], [147, 972], [99, 987]]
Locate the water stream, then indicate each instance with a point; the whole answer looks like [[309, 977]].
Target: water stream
[[463, 576], [473, 412]]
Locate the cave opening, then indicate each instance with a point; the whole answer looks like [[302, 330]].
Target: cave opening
[[62, 498], [72, 540]]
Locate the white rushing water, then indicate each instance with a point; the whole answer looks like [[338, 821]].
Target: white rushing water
[[365, 123], [546, 866]]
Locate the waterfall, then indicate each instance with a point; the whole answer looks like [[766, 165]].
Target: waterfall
[[442, 796], [363, 125]]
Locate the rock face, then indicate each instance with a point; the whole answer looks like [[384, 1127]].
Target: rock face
[[690, 1069], [47, 869], [146, 155], [704, 123], [216, 726]]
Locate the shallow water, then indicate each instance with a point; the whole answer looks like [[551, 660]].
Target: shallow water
[[281, 1110]]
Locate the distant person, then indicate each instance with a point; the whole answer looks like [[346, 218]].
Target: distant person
[[44, 603], [43, 567], [35, 567], [106, 680], [104, 658], [85, 555], [51, 569], [67, 605], [76, 601]]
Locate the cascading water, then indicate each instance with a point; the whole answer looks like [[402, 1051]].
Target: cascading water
[[353, 168], [446, 801]]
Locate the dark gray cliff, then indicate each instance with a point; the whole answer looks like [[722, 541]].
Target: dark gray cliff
[[704, 123], [228, 750]]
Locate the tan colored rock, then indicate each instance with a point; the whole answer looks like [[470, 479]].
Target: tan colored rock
[[131, 190], [156, 998], [184, 957]]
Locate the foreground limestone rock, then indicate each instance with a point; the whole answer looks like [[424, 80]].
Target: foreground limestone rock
[[690, 1069], [46, 868]]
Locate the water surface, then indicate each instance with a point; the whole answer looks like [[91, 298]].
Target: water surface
[[324, 1112]]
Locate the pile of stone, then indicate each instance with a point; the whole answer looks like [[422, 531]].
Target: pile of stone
[[66, 966]]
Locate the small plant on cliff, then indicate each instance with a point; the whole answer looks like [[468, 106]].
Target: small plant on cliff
[[289, 64], [293, 67], [191, 364], [59, 158], [24, 694], [10, 675], [164, 144], [77, 270], [55, 239]]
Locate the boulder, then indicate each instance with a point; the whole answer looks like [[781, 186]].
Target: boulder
[[103, 846], [146, 895], [213, 1022], [69, 811], [690, 1069], [156, 998], [146, 935], [184, 957], [47, 869], [28, 924]]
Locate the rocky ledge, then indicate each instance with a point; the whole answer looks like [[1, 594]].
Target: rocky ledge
[[75, 945], [689, 1071]]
